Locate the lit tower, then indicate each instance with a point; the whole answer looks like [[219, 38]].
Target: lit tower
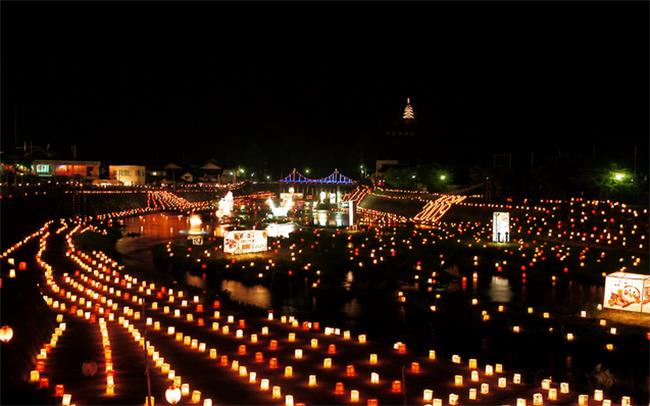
[[409, 114]]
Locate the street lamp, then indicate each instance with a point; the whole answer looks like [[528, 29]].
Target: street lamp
[[443, 177], [307, 170], [619, 176]]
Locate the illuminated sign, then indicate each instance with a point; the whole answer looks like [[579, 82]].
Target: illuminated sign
[[627, 291], [43, 169], [245, 241], [500, 226]]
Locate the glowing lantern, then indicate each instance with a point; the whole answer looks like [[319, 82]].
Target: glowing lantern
[[58, 390], [521, 402], [288, 372], [277, 393], [374, 377], [516, 379], [185, 389], [415, 367], [427, 396], [564, 387], [173, 395], [349, 370], [196, 396], [458, 380], [538, 400], [67, 398], [396, 387], [288, 400], [583, 400], [327, 363], [502, 382], [339, 389], [485, 389], [373, 359], [264, 384], [298, 353], [598, 395], [331, 349], [34, 376], [474, 376], [6, 334], [354, 396], [312, 380], [472, 394]]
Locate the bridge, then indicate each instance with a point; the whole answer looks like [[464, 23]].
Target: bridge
[[335, 178]]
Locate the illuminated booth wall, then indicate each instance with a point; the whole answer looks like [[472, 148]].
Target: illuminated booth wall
[[245, 241], [500, 226], [627, 291]]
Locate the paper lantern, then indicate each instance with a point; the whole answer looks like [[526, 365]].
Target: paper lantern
[[485, 389], [521, 402], [298, 353], [502, 382], [67, 398], [432, 354], [288, 400], [372, 402], [598, 395], [173, 395], [474, 376], [427, 395], [273, 363], [252, 377], [264, 384], [472, 394], [516, 379], [583, 400], [396, 387], [312, 380], [458, 380], [207, 402], [58, 390], [196, 396], [339, 389], [552, 394], [564, 387], [546, 384], [277, 393], [185, 389], [288, 372], [373, 359], [331, 349], [327, 363], [6, 334], [34, 375], [374, 377], [354, 396], [538, 400], [453, 399], [349, 370]]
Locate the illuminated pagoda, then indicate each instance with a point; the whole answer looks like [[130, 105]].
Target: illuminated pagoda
[[409, 114], [400, 137]]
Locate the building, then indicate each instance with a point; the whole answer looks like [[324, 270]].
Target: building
[[401, 138], [129, 175], [72, 169]]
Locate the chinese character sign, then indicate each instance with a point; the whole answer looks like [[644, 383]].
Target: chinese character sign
[[245, 241]]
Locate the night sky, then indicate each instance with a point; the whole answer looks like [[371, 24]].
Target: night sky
[[318, 84]]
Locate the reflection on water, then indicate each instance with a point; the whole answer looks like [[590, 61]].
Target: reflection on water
[[349, 278], [256, 295], [326, 218], [352, 308], [499, 290]]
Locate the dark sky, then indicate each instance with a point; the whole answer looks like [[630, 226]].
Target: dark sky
[[318, 84]]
